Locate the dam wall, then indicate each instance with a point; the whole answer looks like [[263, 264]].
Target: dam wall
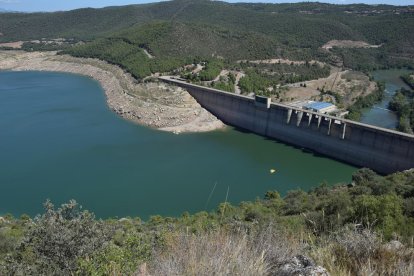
[[382, 150]]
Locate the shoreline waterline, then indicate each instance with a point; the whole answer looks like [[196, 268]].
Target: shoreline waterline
[[156, 105]]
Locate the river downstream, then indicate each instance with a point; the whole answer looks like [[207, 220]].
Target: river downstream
[[60, 141], [379, 115]]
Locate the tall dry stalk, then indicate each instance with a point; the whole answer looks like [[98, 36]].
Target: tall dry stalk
[[225, 253]]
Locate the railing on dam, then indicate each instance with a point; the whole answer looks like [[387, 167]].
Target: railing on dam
[[360, 144]]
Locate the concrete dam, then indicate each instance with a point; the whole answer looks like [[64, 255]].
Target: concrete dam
[[383, 150]]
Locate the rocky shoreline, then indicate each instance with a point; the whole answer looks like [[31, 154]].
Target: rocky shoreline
[[153, 104]]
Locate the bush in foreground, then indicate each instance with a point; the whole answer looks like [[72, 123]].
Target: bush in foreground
[[55, 241], [366, 228]]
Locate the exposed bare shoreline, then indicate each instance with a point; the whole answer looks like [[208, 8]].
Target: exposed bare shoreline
[[156, 105]]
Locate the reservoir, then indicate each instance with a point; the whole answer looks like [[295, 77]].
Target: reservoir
[[379, 115], [59, 140]]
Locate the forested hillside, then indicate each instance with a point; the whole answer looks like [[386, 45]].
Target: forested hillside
[[181, 29]]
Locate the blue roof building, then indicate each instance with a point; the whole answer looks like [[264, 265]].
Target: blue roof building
[[321, 107]]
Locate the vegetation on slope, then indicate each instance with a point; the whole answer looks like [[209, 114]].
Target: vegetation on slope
[[372, 59], [262, 76], [409, 80], [344, 228], [127, 55], [81, 24], [204, 29], [173, 45], [355, 110], [403, 104]]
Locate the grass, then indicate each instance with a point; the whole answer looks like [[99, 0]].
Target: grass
[[224, 252], [265, 251], [362, 252]]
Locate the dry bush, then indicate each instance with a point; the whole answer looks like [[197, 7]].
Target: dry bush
[[355, 252], [225, 253], [357, 246]]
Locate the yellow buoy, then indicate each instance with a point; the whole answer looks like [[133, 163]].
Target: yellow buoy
[[272, 171]]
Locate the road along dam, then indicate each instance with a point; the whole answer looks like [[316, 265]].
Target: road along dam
[[382, 150]]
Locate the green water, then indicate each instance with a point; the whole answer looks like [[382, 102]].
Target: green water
[[379, 115], [59, 140]]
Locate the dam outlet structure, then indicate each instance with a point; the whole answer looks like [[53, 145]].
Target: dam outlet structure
[[383, 150]]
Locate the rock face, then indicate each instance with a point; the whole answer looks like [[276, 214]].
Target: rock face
[[301, 266]]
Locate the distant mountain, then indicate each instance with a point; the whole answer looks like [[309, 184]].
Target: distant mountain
[[174, 31], [7, 11]]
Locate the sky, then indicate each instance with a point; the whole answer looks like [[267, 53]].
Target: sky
[[59, 5]]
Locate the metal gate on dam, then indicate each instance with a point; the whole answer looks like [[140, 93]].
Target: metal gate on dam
[[382, 150]]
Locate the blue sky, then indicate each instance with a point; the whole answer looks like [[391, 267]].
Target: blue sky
[[54, 5]]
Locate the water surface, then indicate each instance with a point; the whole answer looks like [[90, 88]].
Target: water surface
[[379, 115], [59, 140]]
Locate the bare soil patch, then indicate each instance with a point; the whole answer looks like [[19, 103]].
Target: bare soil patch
[[349, 84], [14, 45], [239, 75], [281, 61], [300, 94], [148, 54], [348, 44]]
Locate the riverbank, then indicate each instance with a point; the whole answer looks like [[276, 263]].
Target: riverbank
[[379, 114], [152, 104]]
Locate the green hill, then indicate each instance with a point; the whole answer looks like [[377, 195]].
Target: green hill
[[177, 30]]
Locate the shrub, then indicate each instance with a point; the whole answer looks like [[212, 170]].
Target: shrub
[[57, 239]]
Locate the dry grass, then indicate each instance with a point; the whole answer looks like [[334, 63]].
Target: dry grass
[[349, 84], [362, 253], [264, 252], [225, 253]]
